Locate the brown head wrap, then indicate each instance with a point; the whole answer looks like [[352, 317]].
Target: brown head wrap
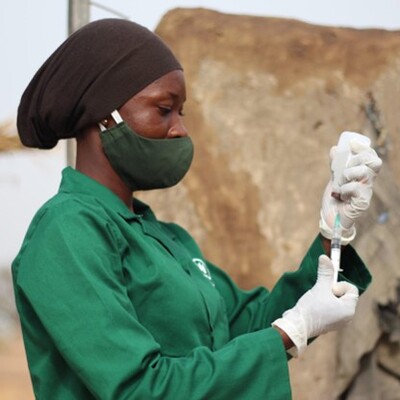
[[95, 71]]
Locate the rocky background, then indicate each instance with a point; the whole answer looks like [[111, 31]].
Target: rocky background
[[267, 98]]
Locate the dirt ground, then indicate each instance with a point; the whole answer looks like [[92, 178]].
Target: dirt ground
[[15, 383]]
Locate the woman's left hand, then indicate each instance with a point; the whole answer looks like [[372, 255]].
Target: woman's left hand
[[355, 192]]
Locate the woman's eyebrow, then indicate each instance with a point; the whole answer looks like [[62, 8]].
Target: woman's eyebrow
[[176, 96], [170, 94]]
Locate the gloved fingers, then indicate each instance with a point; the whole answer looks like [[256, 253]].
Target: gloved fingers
[[351, 212], [364, 155], [357, 147], [359, 173], [368, 158], [332, 153], [325, 270], [362, 167], [350, 190], [357, 194], [374, 163], [345, 290]]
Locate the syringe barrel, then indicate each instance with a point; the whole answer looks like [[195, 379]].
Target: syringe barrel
[[335, 243]]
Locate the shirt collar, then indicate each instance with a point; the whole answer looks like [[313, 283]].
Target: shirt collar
[[74, 181]]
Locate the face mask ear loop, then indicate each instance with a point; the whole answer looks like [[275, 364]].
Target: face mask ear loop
[[117, 117]]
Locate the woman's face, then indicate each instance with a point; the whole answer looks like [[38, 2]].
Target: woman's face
[[157, 111]]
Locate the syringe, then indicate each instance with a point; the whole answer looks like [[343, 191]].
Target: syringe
[[336, 243]]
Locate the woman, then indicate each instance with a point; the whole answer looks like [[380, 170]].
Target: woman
[[115, 304]]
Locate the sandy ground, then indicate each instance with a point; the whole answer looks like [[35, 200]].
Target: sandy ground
[[15, 383]]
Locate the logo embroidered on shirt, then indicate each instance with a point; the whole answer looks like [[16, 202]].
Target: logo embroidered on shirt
[[201, 265]]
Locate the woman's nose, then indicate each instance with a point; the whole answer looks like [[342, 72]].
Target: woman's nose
[[178, 129]]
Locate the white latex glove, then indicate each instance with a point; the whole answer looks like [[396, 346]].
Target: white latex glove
[[325, 307], [356, 189]]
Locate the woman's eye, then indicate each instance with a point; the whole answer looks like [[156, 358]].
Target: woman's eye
[[164, 110]]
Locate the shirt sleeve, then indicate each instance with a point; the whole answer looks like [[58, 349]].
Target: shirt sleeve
[[68, 277], [256, 309]]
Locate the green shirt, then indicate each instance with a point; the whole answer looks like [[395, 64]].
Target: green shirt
[[118, 305]]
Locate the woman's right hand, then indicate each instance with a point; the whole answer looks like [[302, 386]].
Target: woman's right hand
[[325, 307]]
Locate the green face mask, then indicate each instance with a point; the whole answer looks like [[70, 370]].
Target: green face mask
[[144, 163]]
